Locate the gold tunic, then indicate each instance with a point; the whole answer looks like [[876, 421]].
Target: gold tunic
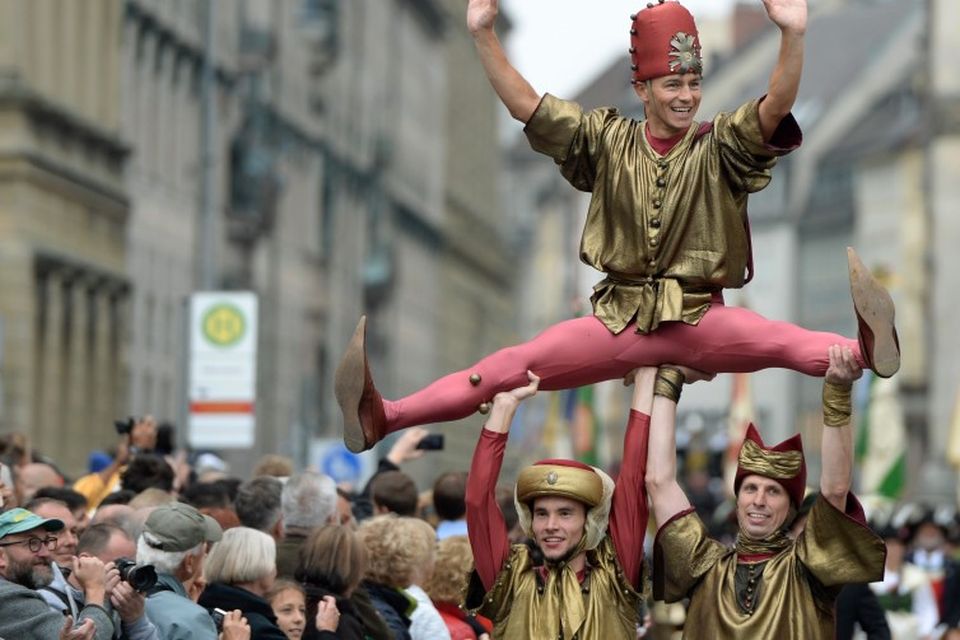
[[667, 230], [796, 594], [522, 607]]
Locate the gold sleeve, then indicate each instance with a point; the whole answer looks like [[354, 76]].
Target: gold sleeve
[[573, 138], [746, 159], [837, 549], [682, 554]]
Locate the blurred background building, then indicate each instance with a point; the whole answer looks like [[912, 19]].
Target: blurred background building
[[340, 158], [878, 170]]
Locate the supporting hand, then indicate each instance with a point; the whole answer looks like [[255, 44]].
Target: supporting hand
[[505, 404], [843, 368], [481, 15], [694, 375], [515, 396]]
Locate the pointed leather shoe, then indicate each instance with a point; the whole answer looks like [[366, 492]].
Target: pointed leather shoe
[[364, 422], [875, 315]]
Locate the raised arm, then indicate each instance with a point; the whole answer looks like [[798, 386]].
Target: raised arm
[[666, 495], [515, 92], [629, 514], [836, 449], [486, 527], [791, 17]]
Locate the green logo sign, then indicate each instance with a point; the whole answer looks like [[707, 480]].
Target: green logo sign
[[223, 325]]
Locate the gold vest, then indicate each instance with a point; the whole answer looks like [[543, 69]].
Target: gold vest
[[522, 606]]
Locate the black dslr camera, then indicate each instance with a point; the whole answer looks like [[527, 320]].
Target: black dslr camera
[[141, 577], [124, 427]]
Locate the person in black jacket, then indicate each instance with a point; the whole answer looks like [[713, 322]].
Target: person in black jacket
[[239, 571], [858, 604]]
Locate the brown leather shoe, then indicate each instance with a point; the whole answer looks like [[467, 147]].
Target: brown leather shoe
[[364, 421], [875, 329]]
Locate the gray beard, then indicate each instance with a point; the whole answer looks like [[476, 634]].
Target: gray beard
[[30, 576]]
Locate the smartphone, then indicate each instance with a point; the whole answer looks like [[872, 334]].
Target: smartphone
[[218, 615], [432, 442]]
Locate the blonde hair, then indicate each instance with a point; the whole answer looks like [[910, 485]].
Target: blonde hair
[[273, 465], [451, 571], [243, 555], [332, 557], [399, 547]]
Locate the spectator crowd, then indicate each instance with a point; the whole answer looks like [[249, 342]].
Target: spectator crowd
[[154, 544]]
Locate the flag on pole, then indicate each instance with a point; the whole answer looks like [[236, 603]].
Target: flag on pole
[[556, 427], [584, 426], [571, 428], [740, 416], [881, 447], [953, 446]]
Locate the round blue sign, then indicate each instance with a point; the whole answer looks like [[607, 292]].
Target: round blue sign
[[341, 464]]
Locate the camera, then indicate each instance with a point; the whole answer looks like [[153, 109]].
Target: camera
[[141, 577], [217, 615], [124, 427]]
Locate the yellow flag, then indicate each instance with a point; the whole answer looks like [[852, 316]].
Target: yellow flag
[[953, 445]]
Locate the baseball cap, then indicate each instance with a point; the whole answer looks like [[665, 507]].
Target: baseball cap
[[179, 527], [20, 520]]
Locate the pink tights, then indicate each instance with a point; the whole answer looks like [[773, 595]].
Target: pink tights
[[582, 351]]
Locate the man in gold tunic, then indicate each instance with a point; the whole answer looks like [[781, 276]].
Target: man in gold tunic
[[767, 586], [667, 224], [581, 574]]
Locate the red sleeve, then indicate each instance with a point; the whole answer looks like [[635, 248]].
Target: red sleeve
[[485, 524], [628, 514]]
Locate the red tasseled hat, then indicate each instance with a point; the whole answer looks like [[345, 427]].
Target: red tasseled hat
[[784, 463], [663, 41]]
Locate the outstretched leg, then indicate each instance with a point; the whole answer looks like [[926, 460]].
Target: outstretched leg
[[582, 351]]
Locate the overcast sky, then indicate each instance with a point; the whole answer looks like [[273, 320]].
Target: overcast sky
[[559, 45]]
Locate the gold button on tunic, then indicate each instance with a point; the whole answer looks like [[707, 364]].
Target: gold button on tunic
[[697, 193]]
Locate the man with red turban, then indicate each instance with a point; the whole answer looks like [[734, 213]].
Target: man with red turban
[[667, 224], [767, 586]]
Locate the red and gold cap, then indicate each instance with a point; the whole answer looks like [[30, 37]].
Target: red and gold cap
[[663, 41], [783, 462]]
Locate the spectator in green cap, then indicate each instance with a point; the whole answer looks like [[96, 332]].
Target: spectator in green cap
[[26, 543]]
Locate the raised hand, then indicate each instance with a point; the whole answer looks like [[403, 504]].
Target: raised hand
[[481, 15], [789, 15], [91, 573], [515, 396], [843, 368], [405, 447]]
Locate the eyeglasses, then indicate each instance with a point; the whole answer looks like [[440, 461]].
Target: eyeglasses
[[34, 544]]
